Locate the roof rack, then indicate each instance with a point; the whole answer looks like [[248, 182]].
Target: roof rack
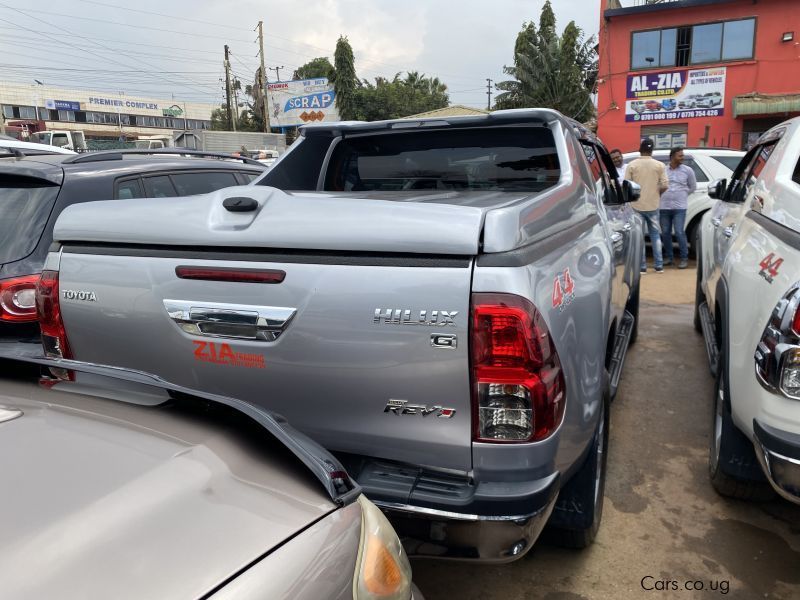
[[104, 155]]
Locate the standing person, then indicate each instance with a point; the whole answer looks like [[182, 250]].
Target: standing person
[[651, 175], [616, 158], [674, 202]]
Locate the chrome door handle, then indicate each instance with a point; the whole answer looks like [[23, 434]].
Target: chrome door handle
[[716, 222], [728, 231], [238, 321]]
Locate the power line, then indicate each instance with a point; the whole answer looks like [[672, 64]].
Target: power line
[[147, 12], [65, 42]]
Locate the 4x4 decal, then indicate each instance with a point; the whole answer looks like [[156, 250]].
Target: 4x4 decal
[[770, 265], [563, 290]]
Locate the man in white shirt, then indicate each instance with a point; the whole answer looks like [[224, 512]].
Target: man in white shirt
[[616, 157]]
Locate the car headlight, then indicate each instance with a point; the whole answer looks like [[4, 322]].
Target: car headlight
[[382, 568]]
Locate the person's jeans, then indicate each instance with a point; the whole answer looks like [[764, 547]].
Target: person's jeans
[[673, 218], [653, 229]]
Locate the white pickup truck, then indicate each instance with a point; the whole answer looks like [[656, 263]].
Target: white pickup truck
[[747, 299]]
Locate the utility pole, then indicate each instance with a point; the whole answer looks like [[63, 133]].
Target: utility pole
[[231, 121], [488, 94], [277, 71], [262, 78]]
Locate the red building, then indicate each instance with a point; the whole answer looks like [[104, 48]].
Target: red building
[[696, 72]]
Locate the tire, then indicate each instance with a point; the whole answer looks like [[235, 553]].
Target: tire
[[732, 464], [691, 236], [699, 296], [633, 308], [576, 517]]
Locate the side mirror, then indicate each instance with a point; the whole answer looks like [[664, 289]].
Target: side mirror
[[630, 191], [716, 189]]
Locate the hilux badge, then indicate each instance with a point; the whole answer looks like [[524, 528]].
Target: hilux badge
[[403, 316]]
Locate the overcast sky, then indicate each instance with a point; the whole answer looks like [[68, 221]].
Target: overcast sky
[[156, 48]]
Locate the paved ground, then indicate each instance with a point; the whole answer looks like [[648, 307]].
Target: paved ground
[[662, 519]]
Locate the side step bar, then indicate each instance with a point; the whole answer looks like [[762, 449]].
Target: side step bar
[[621, 342], [710, 337]]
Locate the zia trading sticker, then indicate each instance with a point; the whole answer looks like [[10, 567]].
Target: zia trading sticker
[[222, 354], [770, 266], [563, 290]]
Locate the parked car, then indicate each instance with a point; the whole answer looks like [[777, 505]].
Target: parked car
[[689, 101], [638, 106], [708, 165], [124, 488], [35, 189], [709, 100], [747, 309], [12, 146], [444, 306], [669, 104], [653, 105]]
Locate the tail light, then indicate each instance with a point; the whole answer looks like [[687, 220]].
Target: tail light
[[48, 309], [18, 299], [777, 355], [518, 383]]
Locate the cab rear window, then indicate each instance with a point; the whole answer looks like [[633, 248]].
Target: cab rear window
[[25, 205], [501, 159]]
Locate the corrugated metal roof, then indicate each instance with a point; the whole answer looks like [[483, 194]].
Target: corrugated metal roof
[[765, 104], [454, 110]]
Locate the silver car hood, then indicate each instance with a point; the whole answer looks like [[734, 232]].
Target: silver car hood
[[107, 499], [282, 220]]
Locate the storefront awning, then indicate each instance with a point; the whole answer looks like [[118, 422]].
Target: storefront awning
[[765, 104]]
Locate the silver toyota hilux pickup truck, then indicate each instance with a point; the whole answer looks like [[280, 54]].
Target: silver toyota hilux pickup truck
[[445, 304]]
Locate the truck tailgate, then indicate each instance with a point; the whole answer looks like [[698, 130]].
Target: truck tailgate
[[367, 352]]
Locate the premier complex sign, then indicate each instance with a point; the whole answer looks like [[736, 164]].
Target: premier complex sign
[[293, 103], [677, 94], [116, 102]]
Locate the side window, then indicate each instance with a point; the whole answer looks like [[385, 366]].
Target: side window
[[159, 187], [189, 184], [128, 188], [796, 174], [245, 178], [748, 171], [598, 162], [699, 174]]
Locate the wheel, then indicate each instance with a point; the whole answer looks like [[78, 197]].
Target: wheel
[[699, 296], [633, 308], [732, 463], [576, 517], [691, 237]]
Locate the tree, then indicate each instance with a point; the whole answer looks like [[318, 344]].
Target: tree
[[219, 118], [399, 97], [551, 71], [345, 82], [315, 68]]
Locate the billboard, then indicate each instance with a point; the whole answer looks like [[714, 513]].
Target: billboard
[[677, 94], [293, 103]]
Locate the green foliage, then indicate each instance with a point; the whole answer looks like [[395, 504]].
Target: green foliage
[[551, 71], [219, 119], [345, 81], [317, 67], [399, 97]]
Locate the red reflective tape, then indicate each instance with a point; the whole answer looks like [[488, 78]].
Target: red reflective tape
[[231, 274]]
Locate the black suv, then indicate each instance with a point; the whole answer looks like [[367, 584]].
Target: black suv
[[36, 187]]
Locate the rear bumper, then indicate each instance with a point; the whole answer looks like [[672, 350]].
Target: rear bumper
[[779, 455], [438, 515]]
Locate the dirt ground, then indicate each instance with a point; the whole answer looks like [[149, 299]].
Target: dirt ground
[[664, 528]]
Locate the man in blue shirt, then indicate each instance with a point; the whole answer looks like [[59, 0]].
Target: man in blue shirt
[[673, 205]]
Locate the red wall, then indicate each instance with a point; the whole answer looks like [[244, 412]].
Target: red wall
[[775, 70]]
